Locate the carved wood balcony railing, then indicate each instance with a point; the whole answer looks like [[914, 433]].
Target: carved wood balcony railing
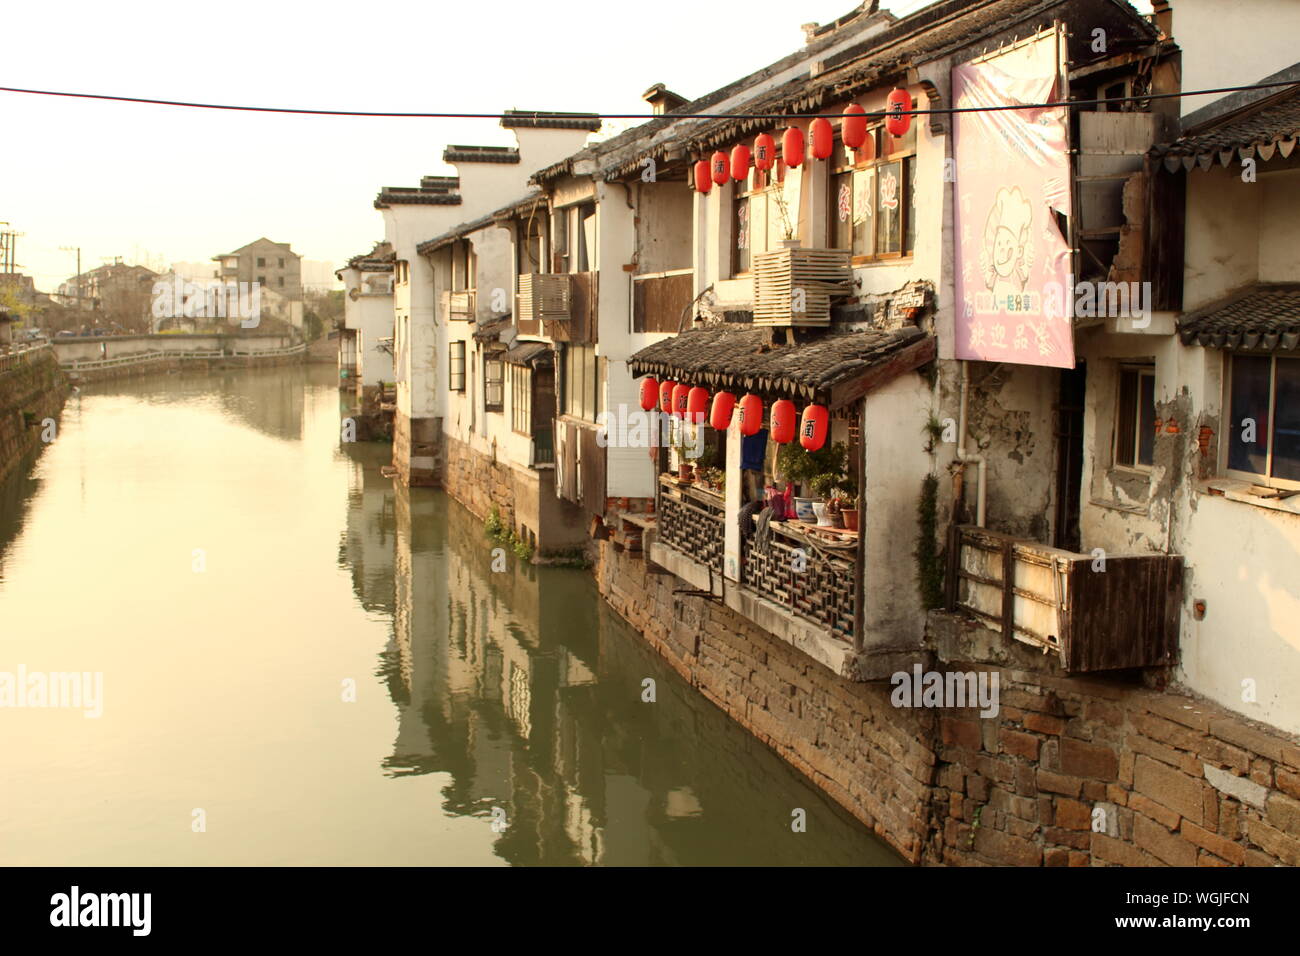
[[822, 592], [691, 522]]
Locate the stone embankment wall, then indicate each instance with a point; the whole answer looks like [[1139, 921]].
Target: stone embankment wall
[[30, 392], [525, 498], [1070, 771]]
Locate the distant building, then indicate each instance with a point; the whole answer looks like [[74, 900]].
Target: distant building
[[119, 294], [273, 265]]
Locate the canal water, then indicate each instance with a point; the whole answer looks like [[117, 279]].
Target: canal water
[[304, 663]]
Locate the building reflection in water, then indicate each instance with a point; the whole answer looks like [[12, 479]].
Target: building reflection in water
[[524, 690]]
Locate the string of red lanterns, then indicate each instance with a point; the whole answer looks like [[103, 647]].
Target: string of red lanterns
[[692, 404]]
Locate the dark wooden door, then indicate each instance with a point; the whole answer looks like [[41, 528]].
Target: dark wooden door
[[1069, 457]]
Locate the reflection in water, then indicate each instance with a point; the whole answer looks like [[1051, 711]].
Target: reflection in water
[[520, 733]]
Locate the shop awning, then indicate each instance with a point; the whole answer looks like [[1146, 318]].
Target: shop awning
[[1260, 317], [830, 367]]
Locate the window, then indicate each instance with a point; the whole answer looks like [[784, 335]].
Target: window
[[582, 392], [462, 266], [261, 280], [1264, 418], [261, 261], [521, 399], [740, 255], [282, 262], [530, 244], [280, 282], [493, 391], [873, 197], [1135, 418], [456, 369]]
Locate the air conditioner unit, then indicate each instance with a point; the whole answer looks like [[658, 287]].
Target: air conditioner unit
[[794, 287]]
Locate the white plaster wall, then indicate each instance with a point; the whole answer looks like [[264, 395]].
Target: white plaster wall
[[375, 321], [1231, 44], [896, 464], [1221, 252], [1279, 252]]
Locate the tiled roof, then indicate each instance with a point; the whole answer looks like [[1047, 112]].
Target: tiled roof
[[480, 154], [378, 259], [534, 354], [1260, 317], [445, 183], [415, 196], [528, 119], [745, 357], [1270, 125], [490, 331], [465, 228]]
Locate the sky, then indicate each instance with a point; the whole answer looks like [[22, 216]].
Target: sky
[[156, 185]]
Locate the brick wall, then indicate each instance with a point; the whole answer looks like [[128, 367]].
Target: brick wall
[[37, 388], [1175, 780]]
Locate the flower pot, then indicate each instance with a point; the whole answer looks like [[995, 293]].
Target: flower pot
[[790, 243], [803, 510], [685, 472], [823, 519], [850, 516]]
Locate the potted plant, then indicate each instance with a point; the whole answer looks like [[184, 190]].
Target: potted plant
[[845, 503], [803, 467], [823, 487], [788, 238], [685, 468]]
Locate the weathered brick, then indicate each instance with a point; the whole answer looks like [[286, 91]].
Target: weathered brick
[[1103, 712], [1116, 794], [1018, 744], [1072, 814], [1080, 858], [1273, 841], [1088, 760], [1215, 751], [1284, 813], [1291, 755], [1182, 710], [1168, 787], [1155, 839], [1044, 724], [1057, 783], [1155, 811], [1094, 790], [977, 787], [1220, 847], [1056, 856], [1116, 851], [1287, 782], [1007, 848], [1209, 859], [1059, 835], [1167, 732], [1235, 732], [1025, 829], [960, 733]]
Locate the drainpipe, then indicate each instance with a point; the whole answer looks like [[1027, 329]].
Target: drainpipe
[[963, 456]]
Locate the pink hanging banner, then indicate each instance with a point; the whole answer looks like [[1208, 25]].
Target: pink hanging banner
[[1012, 175]]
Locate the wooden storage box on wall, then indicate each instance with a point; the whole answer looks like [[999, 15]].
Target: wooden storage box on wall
[[794, 287], [1125, 616], [543, 297]]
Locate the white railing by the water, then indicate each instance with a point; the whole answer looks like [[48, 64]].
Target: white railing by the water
[[153, 355], [21, 356]]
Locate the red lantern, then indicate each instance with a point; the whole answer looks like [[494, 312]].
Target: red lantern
[[666, 396], [721, 167], [703, 181], [813, 426], [782, 421], [764, 151], [792, 146], [697, 404], [854, 128], [899, 103], [740, 162], [680, 393], [723, 405], [823, 138], [649, 393], [867, 150], [751, 415]]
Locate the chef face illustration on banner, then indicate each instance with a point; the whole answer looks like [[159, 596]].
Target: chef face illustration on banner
[[1013, 171]]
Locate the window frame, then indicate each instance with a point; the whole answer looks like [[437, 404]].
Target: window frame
[[521, 399], [1266, 479], [491, 383], [905, 157], [456, 367], [1142, 370], [760, 185]]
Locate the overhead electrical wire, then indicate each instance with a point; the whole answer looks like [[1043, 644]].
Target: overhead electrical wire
[[518, 114]]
